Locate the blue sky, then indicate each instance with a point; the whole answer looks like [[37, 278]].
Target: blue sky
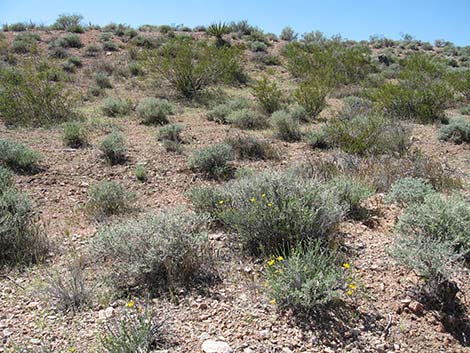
[[354, 19]]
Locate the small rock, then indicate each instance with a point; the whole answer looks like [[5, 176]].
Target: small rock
[[416, 307], [204, 336], [35, 341], [211, 346], [7, 332], [248, 350]]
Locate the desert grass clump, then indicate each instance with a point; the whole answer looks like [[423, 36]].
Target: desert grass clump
[[213, 160], [18, 156], [109, 198], [75, 134], [268, 95], [317, 139], [22, 241], [408, 190], [285, 126], [248, 119], [115, 106], [170, 135], [309, 276], [251, 147], [457, 131], [114, 148], [154, 111], [161, 251], [140, 172], [102, 80]]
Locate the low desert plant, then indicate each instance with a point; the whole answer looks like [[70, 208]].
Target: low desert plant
[[115, 106], [311, 95], [18, 156], [93, 50], [248, 119], [109, 198], [75, 134], [351, 192], [213, 160], [288, 34], [102, 80], [160, 251], [317, 139], [268, 95], [171, 132], [6, 179], [285, 127], [114, 148], [457, 131], [68, 22], [154, 111], [251, 147], [408, 190], [307, 277], [140, 172]]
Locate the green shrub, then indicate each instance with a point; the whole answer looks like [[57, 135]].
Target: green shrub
[[93, 50], [218, 30], [317, 139], [465, 110], [251, 147], [15, 27], [219, 113], [285, 127], [109, 198], [408, 190], [110, 46], [171, 132], [134, 331], [29, 98], [288, 34], [18, 156], [68, 22], [70, 41], [135, 69], [140, 172], [6, 179], [115, 106], [161, 252], [75, 134], [272, 210], [102, 80], [311, 95], [25, 43], [192, 66], [439, 218], [154, 111], [308, 277], [297, 112], [21, 240], [268, 95], [212, 160], [248, 119], [351, 192], [457, 131], [368, 134], [258, 46], [114, 148]]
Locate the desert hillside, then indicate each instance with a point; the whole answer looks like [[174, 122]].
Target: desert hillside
[[223, 189]]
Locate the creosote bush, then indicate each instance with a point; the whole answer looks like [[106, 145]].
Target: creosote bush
[[213, 161], [307, 277], [75, 134], [160, 251], [154, 111], [311, 95], [109, 198], [115, 106], [268, 94], [408, 190], [114, 148], [457, 131], [18, 156]]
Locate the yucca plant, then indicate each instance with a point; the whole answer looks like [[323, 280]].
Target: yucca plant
[[218, 30]]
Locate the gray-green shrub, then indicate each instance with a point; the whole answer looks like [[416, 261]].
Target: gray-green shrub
[[115, 106], [457, 131], [351, 192], [251, 147], [317, 139], [213, 160], [102, 80], [114, 148], [248, 119], [408, 190], [285, 126], [6, 179], [18, 156], [154, 111], [109, 198], [75, 134], [268, 95], [171, 132]]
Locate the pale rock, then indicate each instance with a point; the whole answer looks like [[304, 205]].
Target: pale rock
[[211, 346]]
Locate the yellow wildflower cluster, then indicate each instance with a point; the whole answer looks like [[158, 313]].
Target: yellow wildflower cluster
[[273, 260], [130, 304]]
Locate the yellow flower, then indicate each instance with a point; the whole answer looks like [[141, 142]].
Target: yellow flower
[[279, 270], [252, 200], [272, 301], [346, 265], [349, 292], [72, 349], [279, 258], [130, 304], [271, 262], [221, 202], [263, 196], [352, 286], [270, 204]]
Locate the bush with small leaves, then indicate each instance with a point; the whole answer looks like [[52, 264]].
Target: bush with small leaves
[[297, 112], [248, 119], [317, 139], [268, 95], [6, 179], [110, 46], [465, 110], [311, 95], [258, 46], [102, 80], [69, 293], [109, 198], [251, 147], [154, 111], [114, 148], [288, 34], [70, 41], [408, 190], [285, 127], [135, 69], [161, 251], [115, 106], [351, 192], [439, 218], [219, 113], [171, 132], [134, 331], [140, 172], [58, 52], [213, 160], [25, 43], [75, 134], [18, 156], [307, 277], [21, 240], [68, 22], [93, 50], [457, 131]]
